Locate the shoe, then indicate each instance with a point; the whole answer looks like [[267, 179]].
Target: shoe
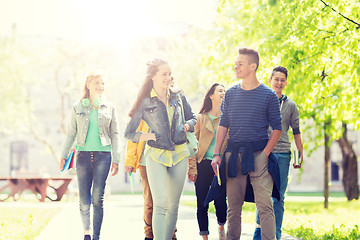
[[257, 234], [222, 235], [87, 237]]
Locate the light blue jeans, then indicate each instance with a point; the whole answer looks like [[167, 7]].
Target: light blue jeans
[[166, 184], [284, 165], [92, 170]]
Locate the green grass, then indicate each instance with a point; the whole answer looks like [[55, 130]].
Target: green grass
[[315, 194], [310, 221], [24, 223]]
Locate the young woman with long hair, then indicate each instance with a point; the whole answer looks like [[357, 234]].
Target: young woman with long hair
[[200, 171], [94, 129], [166, 150]]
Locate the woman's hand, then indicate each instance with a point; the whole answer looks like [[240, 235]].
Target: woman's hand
[[114, 169], [192, 177], [62, 163], [147, 136], [129, 169], [186, 127], [216, 161]]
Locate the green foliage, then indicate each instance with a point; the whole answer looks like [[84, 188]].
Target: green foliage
[[15, 75], [314, 40], [338, 233], [308, 220]]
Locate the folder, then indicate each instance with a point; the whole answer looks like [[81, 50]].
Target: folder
[[218, 175], [297, 157], [69, 161]]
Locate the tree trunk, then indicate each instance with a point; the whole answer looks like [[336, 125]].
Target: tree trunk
[[349, 165], [327, 164]]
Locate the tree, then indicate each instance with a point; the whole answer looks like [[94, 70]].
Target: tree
[[15, 75], [317, 42], [349, 165]]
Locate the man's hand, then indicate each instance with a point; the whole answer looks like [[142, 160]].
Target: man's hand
[[267, 154], [301, 161], [216, 161], [114, 169]]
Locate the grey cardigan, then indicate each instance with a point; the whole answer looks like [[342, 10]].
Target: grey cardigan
[[289, 117]]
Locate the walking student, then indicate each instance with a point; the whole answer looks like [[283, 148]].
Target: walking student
[[290, 118], [94, 129], [200, 171], [166, 152], [247, 110]]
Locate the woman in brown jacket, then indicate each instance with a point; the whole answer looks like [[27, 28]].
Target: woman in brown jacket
[[200, 171]]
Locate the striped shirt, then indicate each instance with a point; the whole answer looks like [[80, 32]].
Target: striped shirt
[[249, 113]]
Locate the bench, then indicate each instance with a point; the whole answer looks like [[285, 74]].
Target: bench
[[38, 185]]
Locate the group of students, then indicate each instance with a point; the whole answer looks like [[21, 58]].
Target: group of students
[[233, 132]]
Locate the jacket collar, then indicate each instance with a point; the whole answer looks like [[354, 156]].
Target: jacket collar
[[207, 122]]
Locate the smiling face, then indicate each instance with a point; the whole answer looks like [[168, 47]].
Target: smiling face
[[218, 94], [278, 82], [243, 67], [96, 86], [162, 77]]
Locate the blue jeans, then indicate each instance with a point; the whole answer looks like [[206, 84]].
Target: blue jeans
[[202, 185], [92, 170], [284, 164]]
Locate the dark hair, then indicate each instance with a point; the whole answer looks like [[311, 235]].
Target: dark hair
[[252, 54], [207, 104], [145, 89], [279, 69]]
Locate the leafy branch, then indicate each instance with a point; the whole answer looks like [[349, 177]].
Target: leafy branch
[[350, 20]]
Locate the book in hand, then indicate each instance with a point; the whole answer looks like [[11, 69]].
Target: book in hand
[[218, 175], [297, 158], [69, 161]]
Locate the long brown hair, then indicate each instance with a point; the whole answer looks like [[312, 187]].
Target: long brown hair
[[145, 89], [207, 104], [88, 80]]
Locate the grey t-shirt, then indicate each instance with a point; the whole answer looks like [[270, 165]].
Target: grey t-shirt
[[289, 117]]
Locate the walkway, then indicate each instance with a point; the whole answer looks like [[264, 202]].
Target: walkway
[[123, 220]]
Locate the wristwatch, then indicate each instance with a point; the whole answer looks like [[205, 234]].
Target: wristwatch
[[216, 154]]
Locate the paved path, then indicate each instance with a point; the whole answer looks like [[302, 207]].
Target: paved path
[[123, 220]]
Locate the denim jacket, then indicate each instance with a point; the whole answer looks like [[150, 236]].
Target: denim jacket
[[108, 128], [153, 111]]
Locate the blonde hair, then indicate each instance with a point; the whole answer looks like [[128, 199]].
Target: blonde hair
[[88, 80]]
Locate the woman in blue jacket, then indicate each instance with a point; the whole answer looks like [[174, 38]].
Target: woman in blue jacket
[[94, 127], [166, 150]]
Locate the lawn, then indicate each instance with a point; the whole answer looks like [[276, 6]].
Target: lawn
[[310, 221], [24, 223]]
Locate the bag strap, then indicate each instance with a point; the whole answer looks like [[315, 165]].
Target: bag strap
[[182, 107]]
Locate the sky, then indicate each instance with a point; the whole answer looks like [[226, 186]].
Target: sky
[[105, 20]]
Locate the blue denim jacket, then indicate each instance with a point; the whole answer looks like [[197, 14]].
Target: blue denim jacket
[[153, 111], [108, 128]]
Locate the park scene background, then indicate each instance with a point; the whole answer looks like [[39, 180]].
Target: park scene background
[[47, 48]]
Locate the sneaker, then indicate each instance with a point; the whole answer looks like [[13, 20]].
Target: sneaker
[[87, 237], [222, 235]]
